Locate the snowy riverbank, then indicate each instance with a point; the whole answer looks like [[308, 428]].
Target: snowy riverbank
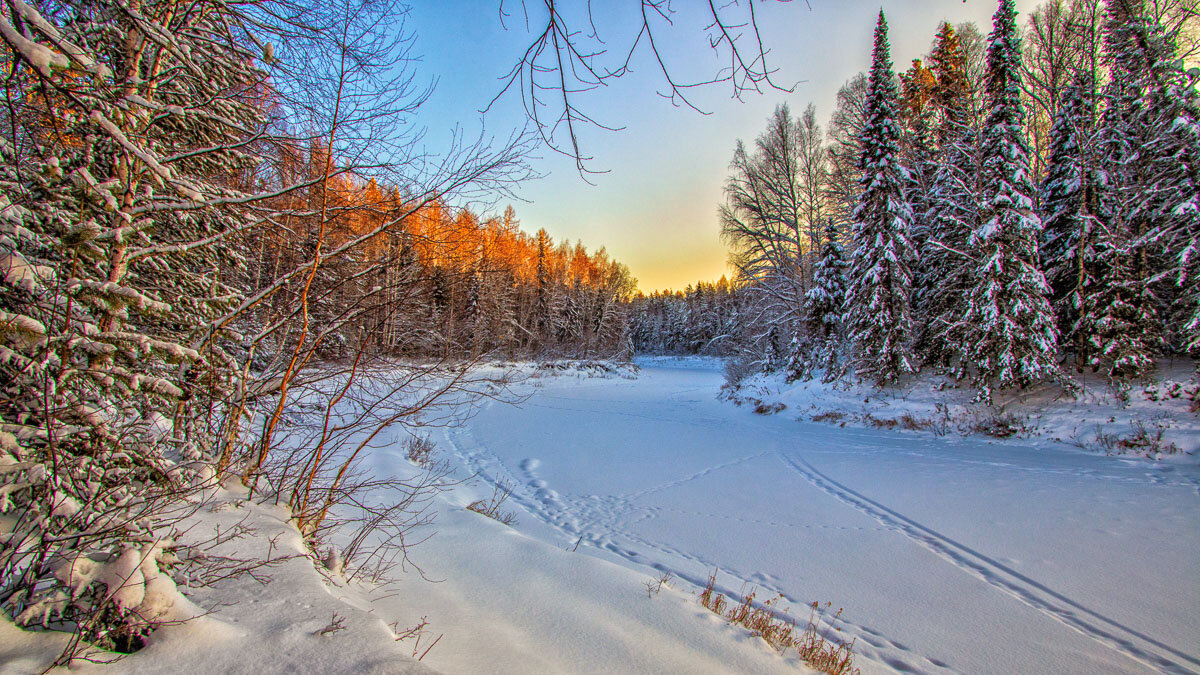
[[947, 553], [1158, 418]]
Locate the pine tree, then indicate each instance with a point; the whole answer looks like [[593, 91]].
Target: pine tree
[[879, 303], [1011, 338]]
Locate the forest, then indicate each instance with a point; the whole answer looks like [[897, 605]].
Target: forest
[[1007, 207], [227, 260], [210, 210]]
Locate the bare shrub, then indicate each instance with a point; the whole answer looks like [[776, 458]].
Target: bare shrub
[[737, 370], [655, 585], [338, 416], [912, 423], [999, 425], [1148, 440], [829, 416], [416, 633], [1142, 440], [491, 507], [769, 408], [336, 623], [419, 450]]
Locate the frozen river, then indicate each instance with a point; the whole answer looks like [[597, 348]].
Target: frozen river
[[948, 554]]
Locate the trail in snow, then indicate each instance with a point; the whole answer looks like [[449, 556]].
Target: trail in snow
[[949, 555], [1101, 627]]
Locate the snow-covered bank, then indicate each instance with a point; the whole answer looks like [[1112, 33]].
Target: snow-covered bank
[[1159, 418], [277, 613], [505, 602], [947, 553]]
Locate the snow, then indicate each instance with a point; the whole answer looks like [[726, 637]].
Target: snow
[[270, 621], [947, 553], [1097, 418]]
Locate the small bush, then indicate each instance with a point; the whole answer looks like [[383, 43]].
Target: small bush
[[769, 408], [776, 628], [1141, 440], [491, 507], [999, 425], [831, 416], [655, 585], [419, 450], [737, 370]]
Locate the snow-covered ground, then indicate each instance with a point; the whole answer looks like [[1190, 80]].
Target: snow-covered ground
[[1155, 419], [948, 554]]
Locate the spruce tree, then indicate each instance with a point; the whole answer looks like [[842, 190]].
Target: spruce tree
[[947, 268], [944, 274], [1171, 110], [120, 197], [1011, 336], [917, 86], [1120, 311], [825, 301], [879, 299], [1067, 201]]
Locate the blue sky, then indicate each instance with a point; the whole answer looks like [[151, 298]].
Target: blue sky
[[656, 208]]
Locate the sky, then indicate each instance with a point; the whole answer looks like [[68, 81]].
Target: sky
[[655, 206]]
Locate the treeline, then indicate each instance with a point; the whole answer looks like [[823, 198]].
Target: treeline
[[700, 319], [925, 231], [429, 280]]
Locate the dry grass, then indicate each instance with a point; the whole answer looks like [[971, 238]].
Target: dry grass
[[831, 416], [769, 408], [491, 507], [814, 646], [1142, 440], [906, 421], [880, 422]]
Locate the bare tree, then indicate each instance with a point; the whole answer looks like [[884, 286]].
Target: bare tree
[[845, 127], [764, 221], [1062, 39], [568, 57]]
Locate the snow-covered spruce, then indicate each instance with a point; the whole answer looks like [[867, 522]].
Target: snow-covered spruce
[[879, 303], [826, 300], [1068, 211], [110, 230], [1011, 337]]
